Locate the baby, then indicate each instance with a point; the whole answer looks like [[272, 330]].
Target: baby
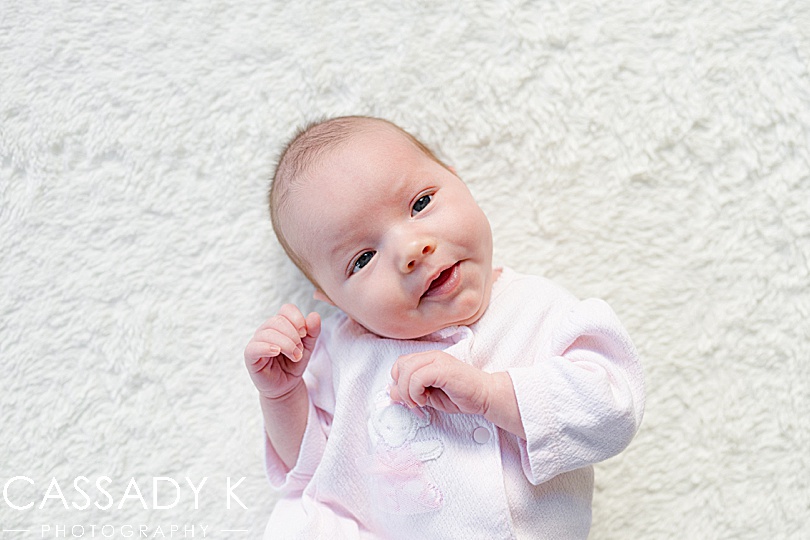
[[446, 398]]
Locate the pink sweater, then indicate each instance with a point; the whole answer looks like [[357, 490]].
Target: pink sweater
[[370, 468]]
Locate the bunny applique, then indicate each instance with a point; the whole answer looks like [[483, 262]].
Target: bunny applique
[[399, 479]]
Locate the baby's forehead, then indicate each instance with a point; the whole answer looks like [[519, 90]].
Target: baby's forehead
[[367, 140], [368, 154], [371, 171]]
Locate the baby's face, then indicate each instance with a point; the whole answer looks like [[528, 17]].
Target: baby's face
[[394, 239]]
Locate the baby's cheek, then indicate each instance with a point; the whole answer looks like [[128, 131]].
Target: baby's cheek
[[470, 302], [385, 322], [476, 221]]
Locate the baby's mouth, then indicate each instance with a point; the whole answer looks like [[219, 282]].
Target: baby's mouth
[[437, 285]]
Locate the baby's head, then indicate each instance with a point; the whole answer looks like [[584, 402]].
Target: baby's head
[[383, 229]]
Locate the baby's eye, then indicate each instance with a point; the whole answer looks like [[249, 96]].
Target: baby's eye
[[420, 204], [361, 261]]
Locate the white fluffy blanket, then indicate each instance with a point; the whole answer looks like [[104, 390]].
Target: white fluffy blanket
[[652, 153]]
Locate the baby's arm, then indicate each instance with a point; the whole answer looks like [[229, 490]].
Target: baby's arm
[[276, 357], [583, 400], [438, 380]]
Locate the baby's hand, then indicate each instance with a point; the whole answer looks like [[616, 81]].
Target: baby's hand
[[279, 351], [438, 380]]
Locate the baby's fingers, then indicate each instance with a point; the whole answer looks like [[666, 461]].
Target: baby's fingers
[[313, 329], [313, 321], [410, 379], [296, 318], [280, 323], [290, 347], [256, 350], [289, 318], [425, 377]]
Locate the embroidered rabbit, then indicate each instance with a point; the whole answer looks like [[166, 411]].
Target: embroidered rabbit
[[400, 482]]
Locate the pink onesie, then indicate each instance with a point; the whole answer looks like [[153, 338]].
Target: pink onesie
[[371, 468]]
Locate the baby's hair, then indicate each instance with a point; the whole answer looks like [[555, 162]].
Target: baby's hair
[[305, 151]]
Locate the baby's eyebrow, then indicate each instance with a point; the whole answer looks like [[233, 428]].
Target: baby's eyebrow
[[402, 188], [341, 246]]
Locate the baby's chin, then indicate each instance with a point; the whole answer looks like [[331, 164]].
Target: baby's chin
[[400, 330], [412, 334], [394, 332], [416, 330]]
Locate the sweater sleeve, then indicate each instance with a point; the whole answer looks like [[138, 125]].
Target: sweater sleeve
[[320, 391], [583, 402]]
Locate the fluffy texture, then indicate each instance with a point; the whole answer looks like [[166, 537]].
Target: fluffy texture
[[655, 154]]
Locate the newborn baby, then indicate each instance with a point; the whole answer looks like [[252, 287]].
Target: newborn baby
[[446, 398]]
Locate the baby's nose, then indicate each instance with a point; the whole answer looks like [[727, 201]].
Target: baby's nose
[[415, 252]]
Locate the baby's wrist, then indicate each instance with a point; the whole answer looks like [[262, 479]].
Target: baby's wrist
[[492, 391], [502, 408], [274, 399]]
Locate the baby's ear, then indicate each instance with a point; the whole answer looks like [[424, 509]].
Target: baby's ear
[[320, 295]]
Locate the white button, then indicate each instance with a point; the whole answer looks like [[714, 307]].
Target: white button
[[481, 435]]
